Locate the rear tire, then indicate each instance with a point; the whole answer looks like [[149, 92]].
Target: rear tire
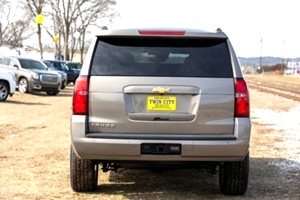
[[233, 177], [4, 90], [83, 174]]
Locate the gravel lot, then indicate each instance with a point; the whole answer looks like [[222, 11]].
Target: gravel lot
[[35, 143]]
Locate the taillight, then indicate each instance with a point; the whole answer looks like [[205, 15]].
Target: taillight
[[80, 96], [242, 106], [164, 32]]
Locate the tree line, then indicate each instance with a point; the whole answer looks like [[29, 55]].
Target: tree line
[[69, 21], [271, 69]]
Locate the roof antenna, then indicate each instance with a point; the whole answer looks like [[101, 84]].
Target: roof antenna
[[219, 30]]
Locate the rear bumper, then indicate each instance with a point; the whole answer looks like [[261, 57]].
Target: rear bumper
[[191, 150]]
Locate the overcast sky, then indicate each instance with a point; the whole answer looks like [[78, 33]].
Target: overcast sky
[[255, 27]]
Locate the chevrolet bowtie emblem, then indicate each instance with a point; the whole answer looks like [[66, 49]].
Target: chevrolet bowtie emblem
[[161, 90]]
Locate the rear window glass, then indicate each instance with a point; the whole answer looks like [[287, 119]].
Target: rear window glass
[[159, 56]]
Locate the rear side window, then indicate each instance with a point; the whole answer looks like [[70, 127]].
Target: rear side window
[[161, 56], [56, 65]]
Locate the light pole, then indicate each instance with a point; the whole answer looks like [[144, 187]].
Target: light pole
[[260, 54], [282, 57], [39, 19], [57, 52]]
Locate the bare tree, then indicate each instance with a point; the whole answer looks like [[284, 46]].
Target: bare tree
[[54, 29], [14, 35], [36, 8], [13, 24], [92, 17], [5, 13], [76, 15]]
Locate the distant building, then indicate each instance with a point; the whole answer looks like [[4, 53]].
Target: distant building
[[293, 67]]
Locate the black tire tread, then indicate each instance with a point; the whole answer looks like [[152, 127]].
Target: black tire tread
[[83, 174], [233, 177]]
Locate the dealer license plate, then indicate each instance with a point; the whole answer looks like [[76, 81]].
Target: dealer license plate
[[161, 103]]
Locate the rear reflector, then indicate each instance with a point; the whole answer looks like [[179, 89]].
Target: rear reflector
[[80, 96], [153, 32], [242, 107]]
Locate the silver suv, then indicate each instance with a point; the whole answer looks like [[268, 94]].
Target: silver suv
[[161, 99]]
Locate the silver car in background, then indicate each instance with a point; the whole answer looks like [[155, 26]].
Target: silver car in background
[[32, 75], [161, 99]]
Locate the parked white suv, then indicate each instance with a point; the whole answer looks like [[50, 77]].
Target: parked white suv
[[161, 99], [7, 84]]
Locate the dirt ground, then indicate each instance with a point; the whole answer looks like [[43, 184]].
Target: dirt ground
[[35, 143]]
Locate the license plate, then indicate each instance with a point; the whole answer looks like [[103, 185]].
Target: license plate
[[161, 103]]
